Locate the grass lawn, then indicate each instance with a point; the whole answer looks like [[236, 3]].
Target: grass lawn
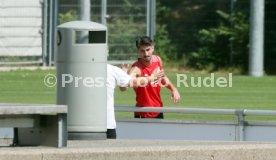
[[25, 86]]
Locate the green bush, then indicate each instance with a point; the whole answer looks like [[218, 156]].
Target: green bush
[[122, 35], [223, 46], [68, 16], [163, 45]]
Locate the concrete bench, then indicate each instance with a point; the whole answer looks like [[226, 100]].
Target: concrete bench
[[35, 124]]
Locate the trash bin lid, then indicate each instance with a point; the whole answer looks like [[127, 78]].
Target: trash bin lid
[[83, 25]]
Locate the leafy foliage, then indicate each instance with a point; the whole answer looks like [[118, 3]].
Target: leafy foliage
[[122, 34], [223, 46], [163, 44], [68, 16]]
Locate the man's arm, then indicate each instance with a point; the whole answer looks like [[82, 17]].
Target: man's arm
[[175, 96], [133, 73], [138, 81]]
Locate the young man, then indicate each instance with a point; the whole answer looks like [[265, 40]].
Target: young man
[[119, 77], [146, 65]]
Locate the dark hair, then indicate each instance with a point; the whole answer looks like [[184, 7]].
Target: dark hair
[[144, 40]]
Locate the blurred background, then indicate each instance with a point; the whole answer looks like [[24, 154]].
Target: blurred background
[[208, 35]]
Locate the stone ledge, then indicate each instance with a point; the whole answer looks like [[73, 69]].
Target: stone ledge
[[146, 150]]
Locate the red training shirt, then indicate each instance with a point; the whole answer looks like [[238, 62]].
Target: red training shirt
[[149, 95]]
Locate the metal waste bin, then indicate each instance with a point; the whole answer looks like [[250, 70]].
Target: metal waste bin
[[81, 76]]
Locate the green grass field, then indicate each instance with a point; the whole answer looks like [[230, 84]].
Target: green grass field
[[25, 86]]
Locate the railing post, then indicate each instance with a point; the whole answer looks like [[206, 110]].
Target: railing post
[[240, 128]]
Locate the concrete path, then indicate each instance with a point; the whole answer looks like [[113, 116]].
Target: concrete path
[[144, 150]]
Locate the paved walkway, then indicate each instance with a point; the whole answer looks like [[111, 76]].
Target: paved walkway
[[144, 149]]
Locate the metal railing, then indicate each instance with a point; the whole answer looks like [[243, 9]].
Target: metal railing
[[237, 112], [240, 113]]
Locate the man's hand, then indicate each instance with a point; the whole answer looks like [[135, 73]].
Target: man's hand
[[175, 96], [157, 76]]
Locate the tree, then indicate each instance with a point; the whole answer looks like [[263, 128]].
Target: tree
[[225, 45]]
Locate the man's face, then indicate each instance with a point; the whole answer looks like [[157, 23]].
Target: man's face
[[146, 52]]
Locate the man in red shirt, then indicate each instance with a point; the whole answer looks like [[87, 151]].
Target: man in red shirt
[[145, 66]]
